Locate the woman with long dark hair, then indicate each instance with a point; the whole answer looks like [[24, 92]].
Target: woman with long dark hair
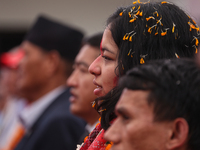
[[134, 35]]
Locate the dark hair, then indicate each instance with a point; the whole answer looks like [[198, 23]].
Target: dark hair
[[174, 87], [94, 40], [150, 42], [147, 31]]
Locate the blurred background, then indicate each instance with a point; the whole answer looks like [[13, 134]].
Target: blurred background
[[16, 17]]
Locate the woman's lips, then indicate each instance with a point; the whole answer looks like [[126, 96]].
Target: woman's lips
[[98, 89]]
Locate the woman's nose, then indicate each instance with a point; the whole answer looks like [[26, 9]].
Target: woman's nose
[[95, 67]]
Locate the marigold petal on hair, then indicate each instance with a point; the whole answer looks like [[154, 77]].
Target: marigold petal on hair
[[197, 42], [122, 66], [164, 2], [150, 30], [132, 20], [102, 110], [138, 12], [156, 13], [142, 61], [124, 38], [177, 55], [132, 54], [134, 2], [129, 52], [194, 22], [193, 26], [176, 36], [163, 33], [173, 28], [93, 104], [151, 17], [130, 39], [196, 51], [129, 13], [197, 29]]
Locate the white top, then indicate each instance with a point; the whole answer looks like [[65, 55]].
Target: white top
[[31, 113], [90, 128]]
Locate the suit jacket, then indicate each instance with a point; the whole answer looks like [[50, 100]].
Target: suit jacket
[[56, 128]]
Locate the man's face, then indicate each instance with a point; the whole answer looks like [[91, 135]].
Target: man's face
[[81, 83], [32, 69], [134, 128]]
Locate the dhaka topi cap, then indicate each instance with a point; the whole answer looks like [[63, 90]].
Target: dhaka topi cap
[[51, 35]]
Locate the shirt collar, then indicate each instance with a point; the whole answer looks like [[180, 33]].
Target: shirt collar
[[31, 113], [90, 127]]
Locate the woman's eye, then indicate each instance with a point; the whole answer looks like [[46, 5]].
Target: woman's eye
[[106, 58], [125, 117]]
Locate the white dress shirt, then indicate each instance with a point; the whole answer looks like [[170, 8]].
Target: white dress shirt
[[31, 113]]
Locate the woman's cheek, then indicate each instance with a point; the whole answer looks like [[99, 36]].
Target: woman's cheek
[[115, 81]]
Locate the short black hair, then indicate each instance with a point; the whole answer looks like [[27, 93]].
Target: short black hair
[[174, 87], [94, 40]]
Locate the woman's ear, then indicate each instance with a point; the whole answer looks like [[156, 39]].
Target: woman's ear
[[179, 135]]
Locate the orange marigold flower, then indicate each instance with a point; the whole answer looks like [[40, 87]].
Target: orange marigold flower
[[97, 124], [85, 138]]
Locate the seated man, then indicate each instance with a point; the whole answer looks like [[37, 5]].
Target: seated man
[[158, 108]]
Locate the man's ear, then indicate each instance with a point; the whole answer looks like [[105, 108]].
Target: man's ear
[[54, 60], [179, 134]]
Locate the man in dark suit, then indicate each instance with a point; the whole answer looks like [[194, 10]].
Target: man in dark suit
[[50, 49]]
